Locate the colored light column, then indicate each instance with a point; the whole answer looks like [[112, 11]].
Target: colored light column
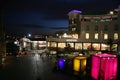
[[79, 63], [61, 63], [104, 67]]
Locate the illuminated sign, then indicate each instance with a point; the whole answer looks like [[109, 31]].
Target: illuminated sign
[[71, 40]]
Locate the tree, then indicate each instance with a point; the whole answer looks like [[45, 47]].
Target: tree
[[12, 48]]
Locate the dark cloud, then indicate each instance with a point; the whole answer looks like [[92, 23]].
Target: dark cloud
[[47, 16], [56, 28], [25, 26]]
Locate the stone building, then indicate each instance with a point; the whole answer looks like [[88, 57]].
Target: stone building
[[90, 32]]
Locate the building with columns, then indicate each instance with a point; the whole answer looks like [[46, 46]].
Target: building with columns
[[90, 32]]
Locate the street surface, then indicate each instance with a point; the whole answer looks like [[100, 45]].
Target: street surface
[[32, 67]]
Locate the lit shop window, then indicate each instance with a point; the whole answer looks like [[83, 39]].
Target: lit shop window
[[96, 46], [78, 45], [61, 45], [115, 36], [86, 46], [105, 36], [48, 44], [87, 35], [53, 44], [96, 35], [105, 28], [71, 44], [104, 47]]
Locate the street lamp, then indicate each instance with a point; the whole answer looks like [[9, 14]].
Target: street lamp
[[29, 35]]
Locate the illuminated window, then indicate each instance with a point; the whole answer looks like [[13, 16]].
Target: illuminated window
[[78, 45], [87, 35], [86, 46], [71, 45], [61, 45], [96, 46], [105, 36], [104, 47], [75, 36], [96, 35], [111, 12], [48, 44], [72, 21], [53, 44], [73, 29], [115, 36]]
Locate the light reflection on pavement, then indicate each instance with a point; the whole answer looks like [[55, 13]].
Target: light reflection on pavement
[[31, 67]]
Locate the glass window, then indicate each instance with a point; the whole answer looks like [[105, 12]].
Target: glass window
[[53, 44], [87, 28], [105, 36], [78, 45], [104, 47], [75, 36], [116, 27], [96, 46], [71, 45], [48, 44], [75, 20], [61, 45], [105, 28], [86, 46], [115, 36], [87, 35], [96, 35], [72, 20], [73, 29], [96, 28], [114, 47]]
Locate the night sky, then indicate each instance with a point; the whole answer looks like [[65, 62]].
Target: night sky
[[47, 16]]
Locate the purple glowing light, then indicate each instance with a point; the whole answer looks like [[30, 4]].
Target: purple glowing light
[[118, 6], [61, 63], [104, 67], [76, 11]]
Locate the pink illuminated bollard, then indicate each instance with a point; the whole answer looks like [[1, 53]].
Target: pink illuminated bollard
[[104, 67]]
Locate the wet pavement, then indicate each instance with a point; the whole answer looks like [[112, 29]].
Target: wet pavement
[[32, 67]]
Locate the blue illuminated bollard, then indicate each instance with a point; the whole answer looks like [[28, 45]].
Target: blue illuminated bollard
[[61, 63]]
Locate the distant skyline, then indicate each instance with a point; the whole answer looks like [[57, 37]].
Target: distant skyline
[[47, 16]]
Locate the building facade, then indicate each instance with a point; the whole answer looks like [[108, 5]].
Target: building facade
[[90, 32], [29, 44]]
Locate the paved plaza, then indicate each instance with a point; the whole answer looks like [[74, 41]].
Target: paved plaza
[[32, 67]]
